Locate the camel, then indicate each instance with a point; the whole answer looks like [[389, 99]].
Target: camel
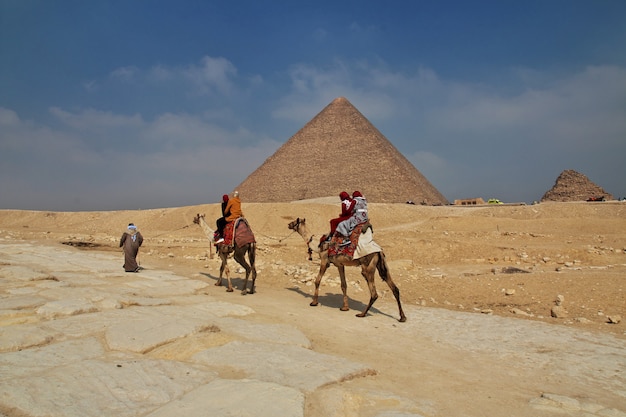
[[224, 252], [369, 264]]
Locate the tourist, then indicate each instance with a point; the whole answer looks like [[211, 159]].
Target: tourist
[[220, 223], [130, 242], [347, 205], [233, 208], [359, 216]]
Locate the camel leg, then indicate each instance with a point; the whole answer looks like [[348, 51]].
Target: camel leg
[[324, 264], [396, 293], [386, 276], [224, 269], [253, 278], [240, 257], [344, 287], [368, 272]]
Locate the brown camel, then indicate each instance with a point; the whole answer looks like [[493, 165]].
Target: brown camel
[[239, 253], [369, 264]]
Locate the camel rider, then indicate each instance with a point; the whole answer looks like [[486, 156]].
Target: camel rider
[[359, 216], [221, 222], [347, 205], [232, 211], [233, 208]]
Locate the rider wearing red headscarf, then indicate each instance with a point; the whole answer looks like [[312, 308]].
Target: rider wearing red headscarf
[[221, 222], [347, 205], [358, 216]]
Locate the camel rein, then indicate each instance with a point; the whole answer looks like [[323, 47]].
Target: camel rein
[[171, 231]]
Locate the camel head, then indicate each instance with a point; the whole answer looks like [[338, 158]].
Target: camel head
[[196, 219], [295, 225]]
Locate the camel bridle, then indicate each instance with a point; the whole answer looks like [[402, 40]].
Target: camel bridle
[[296, 228]]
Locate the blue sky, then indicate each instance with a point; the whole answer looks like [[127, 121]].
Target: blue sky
[[110, 105]]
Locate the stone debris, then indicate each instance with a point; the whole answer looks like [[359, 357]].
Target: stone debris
[[513, 270], [519, 312]]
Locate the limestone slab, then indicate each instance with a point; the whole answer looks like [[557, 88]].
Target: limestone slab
[[125, 388], [292, 366], [226, 398]]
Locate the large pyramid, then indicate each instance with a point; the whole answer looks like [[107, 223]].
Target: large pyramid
[[574, 186], [339, 149]]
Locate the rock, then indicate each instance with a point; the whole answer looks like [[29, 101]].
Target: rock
[[520, 312], [514, 270], [558, 311], [614, 319]]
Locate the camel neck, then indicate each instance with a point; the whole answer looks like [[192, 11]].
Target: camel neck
[[205, 228]]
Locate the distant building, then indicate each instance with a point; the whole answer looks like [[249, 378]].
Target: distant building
[[469, 202]]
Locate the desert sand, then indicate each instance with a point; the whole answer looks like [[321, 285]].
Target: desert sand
[[445, 257], [511, 261]]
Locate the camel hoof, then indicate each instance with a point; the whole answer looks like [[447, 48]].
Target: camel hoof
[[313, 304], [218, 284], [229, 290], [345, 309], [244, 292], [402, 319]]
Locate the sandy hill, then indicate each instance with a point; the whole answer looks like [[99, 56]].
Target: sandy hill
[[339, 149]]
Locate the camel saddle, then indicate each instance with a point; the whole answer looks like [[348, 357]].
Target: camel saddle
[[238, 231], [336, 248]]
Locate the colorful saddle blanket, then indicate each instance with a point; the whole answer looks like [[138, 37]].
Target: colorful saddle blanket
[[238, 231], [336, 247]]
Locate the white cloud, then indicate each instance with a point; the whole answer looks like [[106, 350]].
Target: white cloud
[[129, 163], [125, 73], [91, 86], [91, 119], [212, 74], [451, 127], [8, 117], [160, 73], [456, 133]]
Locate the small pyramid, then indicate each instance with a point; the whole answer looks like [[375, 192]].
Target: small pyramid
[[338, 150], [574, 186]]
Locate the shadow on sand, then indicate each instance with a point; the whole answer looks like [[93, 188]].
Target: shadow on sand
[[336, 301], [237, 282]]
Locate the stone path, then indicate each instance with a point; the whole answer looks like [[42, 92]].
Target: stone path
[[79, 337]]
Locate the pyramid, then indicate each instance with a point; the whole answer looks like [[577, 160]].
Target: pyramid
[[338, 150], [574, 186]]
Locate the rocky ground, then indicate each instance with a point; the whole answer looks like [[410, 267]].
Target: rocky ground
[[454, 266]]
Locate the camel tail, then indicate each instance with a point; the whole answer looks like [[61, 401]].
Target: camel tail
[[382, 266], [252, 254]]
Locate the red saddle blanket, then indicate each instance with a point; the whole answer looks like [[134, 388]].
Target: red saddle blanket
[[239, 231], [336, 248]]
